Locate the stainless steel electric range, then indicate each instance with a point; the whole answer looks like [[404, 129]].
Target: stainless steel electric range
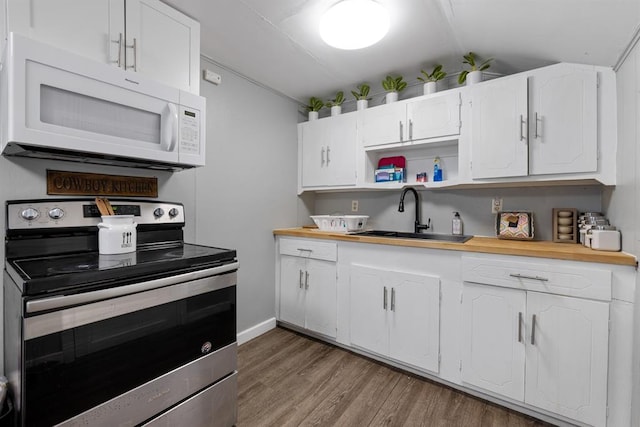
[[142, 338]]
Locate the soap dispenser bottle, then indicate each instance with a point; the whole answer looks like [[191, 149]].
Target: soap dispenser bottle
[[456, 224]]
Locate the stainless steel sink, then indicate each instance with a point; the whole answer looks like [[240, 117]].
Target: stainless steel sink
[[423, 236]]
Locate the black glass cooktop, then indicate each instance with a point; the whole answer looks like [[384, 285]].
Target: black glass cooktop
[[90, 270]]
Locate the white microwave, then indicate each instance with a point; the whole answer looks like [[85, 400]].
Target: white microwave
[[58, 105]]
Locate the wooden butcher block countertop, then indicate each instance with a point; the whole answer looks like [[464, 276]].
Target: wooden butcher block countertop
[[490, 245]]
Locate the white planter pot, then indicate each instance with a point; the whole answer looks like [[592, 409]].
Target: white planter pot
[[336, 110], [362, 104], [392, 97], [429, 87], [474, 77], [313, 115]]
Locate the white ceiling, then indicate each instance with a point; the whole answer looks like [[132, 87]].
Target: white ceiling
[[276, 42]]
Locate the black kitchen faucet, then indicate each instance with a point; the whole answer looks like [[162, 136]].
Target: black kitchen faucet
[[417, 225]]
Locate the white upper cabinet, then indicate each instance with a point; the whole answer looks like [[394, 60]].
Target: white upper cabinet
[[543, 122], [499, 128], [434, 116], [145, 36], [563, 114], [167, 44], [327, 151], [386, 124]]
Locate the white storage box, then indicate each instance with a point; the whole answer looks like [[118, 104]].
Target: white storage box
[[341, 223]]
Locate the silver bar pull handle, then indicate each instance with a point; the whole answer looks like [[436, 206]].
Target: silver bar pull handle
[[520, 327], [306, 280], [135, 55], [524, 276], [393, 299], [522, 125], [410, 129], [400, 130], [538, 120], [533, 330], [119, 41], [300, 280], [305, 250], [328, 151], [384, 298], [322, 158]]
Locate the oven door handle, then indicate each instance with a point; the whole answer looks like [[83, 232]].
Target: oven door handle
[[72, 317], [58, 302]]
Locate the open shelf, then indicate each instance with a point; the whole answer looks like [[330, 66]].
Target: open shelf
[[419, 158]]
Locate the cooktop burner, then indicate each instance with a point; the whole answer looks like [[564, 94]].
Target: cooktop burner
[[55, 274]]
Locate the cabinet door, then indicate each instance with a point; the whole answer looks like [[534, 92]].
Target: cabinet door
[[340, 142], [435, 117], [292, 290], [167, 44], [414, 307], [368, 309], [567, 356], [321, 299], [499, 129], [493, 339], [385, 124], [314, 153], [88, 28], [563, 114]]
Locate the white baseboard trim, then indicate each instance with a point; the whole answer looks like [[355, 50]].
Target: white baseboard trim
[[256, 331]]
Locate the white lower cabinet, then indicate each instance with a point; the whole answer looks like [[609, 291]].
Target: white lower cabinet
[[548, 351], [396, 314], [308, 286]]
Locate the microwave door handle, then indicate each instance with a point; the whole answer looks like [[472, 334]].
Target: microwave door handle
[[170, 127]]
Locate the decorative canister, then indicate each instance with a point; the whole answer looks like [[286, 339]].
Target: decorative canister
[[117, 234]]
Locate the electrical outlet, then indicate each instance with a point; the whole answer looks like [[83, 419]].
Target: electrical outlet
[[496, 204], [354, 206]]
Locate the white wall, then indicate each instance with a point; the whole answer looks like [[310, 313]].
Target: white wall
[[624, 200], [474, 206], [248, 187]]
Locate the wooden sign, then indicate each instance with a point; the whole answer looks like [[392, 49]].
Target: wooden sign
[[94, 184]]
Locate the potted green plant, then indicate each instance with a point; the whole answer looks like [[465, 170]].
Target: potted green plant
[[393, 86], [315, 105], [430, 79], [475, 74], [361, 96], [336, 103]]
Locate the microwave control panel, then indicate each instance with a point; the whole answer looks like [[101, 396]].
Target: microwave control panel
[[189, 131]]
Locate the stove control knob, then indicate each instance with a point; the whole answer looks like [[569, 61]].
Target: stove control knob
[[173, 212], [56, 213], [29, 214], [158, 212]]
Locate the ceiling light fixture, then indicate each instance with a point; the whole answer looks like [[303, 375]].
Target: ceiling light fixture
[[354, 24]]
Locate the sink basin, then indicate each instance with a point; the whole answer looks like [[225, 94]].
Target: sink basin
[[423, 236]]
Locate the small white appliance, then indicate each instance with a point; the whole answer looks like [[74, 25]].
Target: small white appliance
[[59, 105]]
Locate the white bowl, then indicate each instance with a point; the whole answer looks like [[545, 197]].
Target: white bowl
[[565, 221], [565, 214], [565, 229], [341, 223]]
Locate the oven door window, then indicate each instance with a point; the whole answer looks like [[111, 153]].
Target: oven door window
[[73, 370]]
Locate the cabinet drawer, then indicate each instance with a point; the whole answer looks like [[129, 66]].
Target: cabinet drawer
[[570, 279], [327, 251]]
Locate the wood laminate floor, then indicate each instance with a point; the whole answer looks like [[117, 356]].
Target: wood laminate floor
[[287, 379]]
